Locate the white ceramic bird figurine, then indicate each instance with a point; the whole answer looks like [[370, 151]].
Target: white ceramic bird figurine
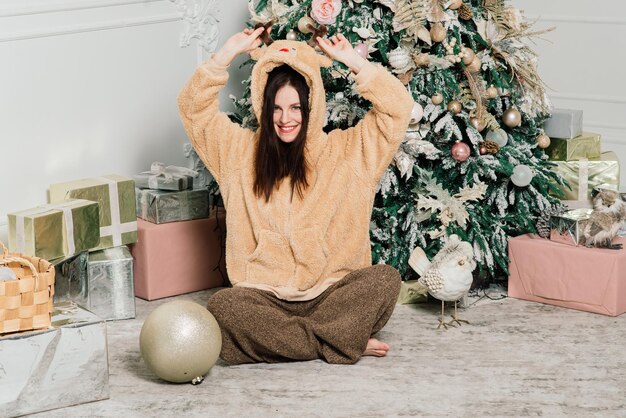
[[609, 213], [449, 276]]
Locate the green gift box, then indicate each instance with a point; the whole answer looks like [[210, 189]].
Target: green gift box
[[55, 230], [586, 145], [116, 196], [583, 175], [159, 206]]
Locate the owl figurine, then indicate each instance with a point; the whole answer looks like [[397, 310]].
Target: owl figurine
[[609, 213], [448, 276]]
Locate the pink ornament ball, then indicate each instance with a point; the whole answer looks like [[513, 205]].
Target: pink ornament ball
[[361, 49], [460, 151]]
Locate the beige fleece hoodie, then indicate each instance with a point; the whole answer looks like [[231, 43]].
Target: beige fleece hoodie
[[297, 248]]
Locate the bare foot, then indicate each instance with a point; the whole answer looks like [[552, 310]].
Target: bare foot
[[376, 348]]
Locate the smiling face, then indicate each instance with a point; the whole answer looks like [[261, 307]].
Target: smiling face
[[287, 114]]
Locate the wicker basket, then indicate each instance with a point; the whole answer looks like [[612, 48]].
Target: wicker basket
[[25, 303]]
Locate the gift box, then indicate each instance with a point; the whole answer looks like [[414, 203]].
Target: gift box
[[586, 145], [412, 292], [111, 283], [162, 177], [55, 230], [584, 175], [588, 279], [564, 123], [71, 279], [58, 367], [567, 228], [158, 206], [116, 196], [179, 257], [101, 282]]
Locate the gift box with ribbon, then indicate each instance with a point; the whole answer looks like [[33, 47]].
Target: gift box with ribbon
[[116, 196], [55, 230], [585, 174], [158, 206], [162, 177]]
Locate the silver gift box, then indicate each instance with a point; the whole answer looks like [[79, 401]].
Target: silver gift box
[[70, 279], [54, 368], [564, 123], [151, 181], [158, 206], [111, 283], [568, 227]]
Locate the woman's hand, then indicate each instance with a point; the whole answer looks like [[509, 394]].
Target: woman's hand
[[340, 49], [239, 43]]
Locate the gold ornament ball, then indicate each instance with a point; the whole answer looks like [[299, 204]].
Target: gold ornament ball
[[291, 36], [437, 32], [492, 92], [475, 65], [455, 106], [512, 117], [478, 123], [455, 4], [180, 341], [469, 56], [303, 22], [437, 99], [543, 141]]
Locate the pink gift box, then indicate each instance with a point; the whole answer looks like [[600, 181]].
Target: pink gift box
[[588, 279], [177, 257]]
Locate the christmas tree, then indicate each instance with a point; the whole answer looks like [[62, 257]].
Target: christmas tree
[[472, 162]]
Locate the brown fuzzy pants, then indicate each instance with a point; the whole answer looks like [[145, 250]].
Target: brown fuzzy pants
[[258, 327]]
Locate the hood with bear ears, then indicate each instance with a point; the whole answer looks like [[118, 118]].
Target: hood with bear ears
[[305, 60]]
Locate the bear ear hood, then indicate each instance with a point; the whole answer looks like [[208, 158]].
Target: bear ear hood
[[302, 58]]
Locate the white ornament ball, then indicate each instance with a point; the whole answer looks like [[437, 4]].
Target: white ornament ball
[[339, 95], [291, 36], [499, 136], [522, 175], [180, 341], [303, 22], [416, 113], [399, 58]]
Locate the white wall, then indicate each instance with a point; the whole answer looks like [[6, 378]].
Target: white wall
[[582, 62], [89, 87]]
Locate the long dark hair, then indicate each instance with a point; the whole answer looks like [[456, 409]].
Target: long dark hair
[[276, 159]]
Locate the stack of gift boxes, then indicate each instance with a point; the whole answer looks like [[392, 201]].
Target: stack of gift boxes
[[82, 231], [110, 238], [560, 270], [180, 243]]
